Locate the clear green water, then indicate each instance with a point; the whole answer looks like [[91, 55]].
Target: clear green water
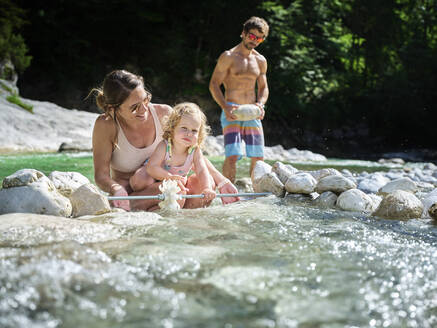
[[259, 263]]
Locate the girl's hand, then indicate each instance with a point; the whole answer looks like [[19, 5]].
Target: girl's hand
[[182, 181], [208, 194], [228, 188], [124, 204]]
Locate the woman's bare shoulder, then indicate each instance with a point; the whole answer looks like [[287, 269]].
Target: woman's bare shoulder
[[162, 110], [105, 123]]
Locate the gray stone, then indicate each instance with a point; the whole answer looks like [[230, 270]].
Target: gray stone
[[39, 197], [87, 200], [283, 171], [355, 200], [271, 183], [400, 204], [326, 199], [21, 178], [301, 183], [334, 183], [67, 182], [405, 184], [433, 211]]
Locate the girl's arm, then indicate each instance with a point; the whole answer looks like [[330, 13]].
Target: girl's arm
[[155, 167], [202, 173]]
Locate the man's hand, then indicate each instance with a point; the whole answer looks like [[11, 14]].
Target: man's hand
[[228, 112], [261, 107]]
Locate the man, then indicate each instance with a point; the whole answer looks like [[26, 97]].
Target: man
[[240, 70]]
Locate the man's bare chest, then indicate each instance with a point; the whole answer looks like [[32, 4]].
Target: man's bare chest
[[245, 67]]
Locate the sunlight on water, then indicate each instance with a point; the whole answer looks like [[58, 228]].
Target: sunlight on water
[[258, 263]]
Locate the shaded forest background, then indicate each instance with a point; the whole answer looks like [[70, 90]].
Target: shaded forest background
[[349, 78]]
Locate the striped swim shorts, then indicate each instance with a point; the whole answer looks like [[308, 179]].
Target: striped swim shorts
[[234, 132]]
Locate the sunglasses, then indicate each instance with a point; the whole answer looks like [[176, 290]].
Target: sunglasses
[[253, 37], [134, 108]]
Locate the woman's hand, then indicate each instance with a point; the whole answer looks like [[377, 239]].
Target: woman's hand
[[226, 187], [118, 190], [208, 194]]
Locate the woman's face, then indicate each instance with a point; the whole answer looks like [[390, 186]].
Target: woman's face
[[135, 106]]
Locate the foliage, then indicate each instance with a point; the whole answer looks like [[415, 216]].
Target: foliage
[[12, 45], [14, 99]]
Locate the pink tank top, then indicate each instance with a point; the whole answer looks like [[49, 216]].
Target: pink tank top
[[178, 170], [127, 158]]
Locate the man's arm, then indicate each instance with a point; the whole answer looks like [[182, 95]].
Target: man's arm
[[218, 76], [263, 89]]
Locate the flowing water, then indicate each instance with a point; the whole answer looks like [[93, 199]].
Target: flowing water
[[267, 262]]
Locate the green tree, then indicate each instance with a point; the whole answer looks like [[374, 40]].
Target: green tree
[[12, 45]]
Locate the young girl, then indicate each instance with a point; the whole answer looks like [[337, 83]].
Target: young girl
[[180, 151]]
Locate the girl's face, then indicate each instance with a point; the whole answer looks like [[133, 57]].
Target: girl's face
[[186, 132], [135, 106]]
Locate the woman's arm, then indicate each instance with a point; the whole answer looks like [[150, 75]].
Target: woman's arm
[[104, 132]]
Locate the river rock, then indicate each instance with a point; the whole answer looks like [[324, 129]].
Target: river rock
[[433, 211], [428, 201], [244, 184], [355, 200], [30, 191], [283, 171], [22, 178], [334, 183], [320, 174], [271, 183], [405, 184], [67, 182], [326, 199], [301, 183], [87, 200], [247, 112], [260, 169], [400, 204], [372, 183]]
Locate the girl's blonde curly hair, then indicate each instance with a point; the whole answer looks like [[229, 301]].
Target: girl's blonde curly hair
[[186, 108]]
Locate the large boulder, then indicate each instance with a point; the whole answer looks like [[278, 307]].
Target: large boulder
[[400, 205], [326, 199], [67, 182], [335, 183], [405, 184], [269, 182], [301, 183], [284, 171], [372, 183], [30, 191], [355, 200], [87, 200]]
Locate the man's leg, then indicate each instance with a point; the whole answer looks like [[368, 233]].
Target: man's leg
[[253, 161], [230, 167]]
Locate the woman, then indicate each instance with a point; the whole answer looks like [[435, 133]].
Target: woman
[[125, 136]]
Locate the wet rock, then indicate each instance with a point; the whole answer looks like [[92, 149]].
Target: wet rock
[[428, 201], [284, 171], [372, 183], [320, 174], [334, 183], [395, 160], [22, 178], [30, 191], [244, 184], [87, 200], [433, 211], [67, 182], [26, 229], [261, 168], [405, 184], [301, 183], [400, 204], [247, 112], [355, 200], [300, 198], [271, 183], [326, 199]]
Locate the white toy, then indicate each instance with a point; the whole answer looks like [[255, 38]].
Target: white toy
[[170, 189]]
